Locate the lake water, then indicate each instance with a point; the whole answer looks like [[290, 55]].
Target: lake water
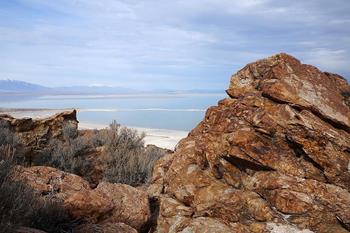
[[159, 111]]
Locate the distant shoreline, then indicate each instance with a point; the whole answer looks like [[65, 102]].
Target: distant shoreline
[[164, 138]]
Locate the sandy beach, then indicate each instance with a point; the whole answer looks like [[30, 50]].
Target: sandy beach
[[164, 138]]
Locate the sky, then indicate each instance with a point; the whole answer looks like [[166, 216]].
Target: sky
[[162, 44]]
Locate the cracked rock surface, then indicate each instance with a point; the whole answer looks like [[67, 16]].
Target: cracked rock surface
[[273, 155], [113, 207]]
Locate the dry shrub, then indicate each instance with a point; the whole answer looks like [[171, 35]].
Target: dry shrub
[[10, 143], [69, 155], [128, 161], [7, 136], [70, 158], [21, 206], [7, 161]]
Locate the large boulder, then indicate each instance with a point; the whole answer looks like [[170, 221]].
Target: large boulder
[[51, 182], [89, 205], [131, 205], [111, 203], [35, 134], [274, 155], [111, 207]]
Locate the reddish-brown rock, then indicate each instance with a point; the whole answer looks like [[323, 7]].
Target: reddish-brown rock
[[111, 203], [35, 134], [273, 156], [131, 205], [112, 206], [89, 205], [51, 182], [284, 79], [105, 228]]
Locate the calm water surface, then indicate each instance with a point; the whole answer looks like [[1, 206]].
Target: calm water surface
[[179, 112]]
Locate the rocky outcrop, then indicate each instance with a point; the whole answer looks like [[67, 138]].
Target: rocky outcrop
[[35, 134], [273, 157], [110, 207]]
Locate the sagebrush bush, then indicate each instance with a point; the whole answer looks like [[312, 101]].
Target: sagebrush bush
[[21, 206], [130, 167], [69, 132], [10, 144], [7, 136], [70, 158], [128, 161], [68, 155], [116, 137], [6, 162]]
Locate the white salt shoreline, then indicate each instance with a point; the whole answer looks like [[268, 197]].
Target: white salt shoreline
[[164, 138]]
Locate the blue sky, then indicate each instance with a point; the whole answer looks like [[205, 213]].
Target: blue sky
[[156, 44]]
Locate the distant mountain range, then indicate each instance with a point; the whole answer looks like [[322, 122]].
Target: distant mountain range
[[10, 86], [15, 87]]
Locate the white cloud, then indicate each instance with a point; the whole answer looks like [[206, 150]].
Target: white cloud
[[328, 59], [206, 40]]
